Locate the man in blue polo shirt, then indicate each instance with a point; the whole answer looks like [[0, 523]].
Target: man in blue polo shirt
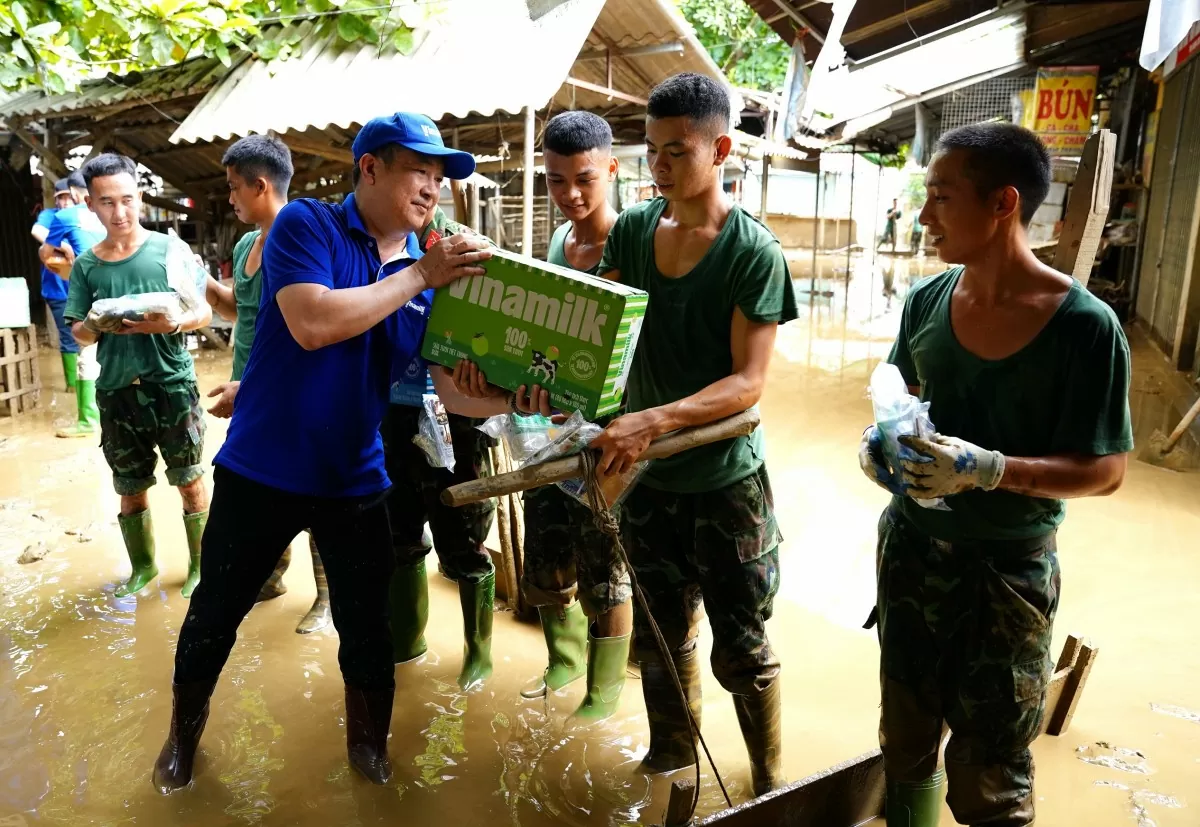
[[54, 287], [346, 293]]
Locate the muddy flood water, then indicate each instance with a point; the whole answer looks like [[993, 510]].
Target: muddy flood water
[[85, 676]]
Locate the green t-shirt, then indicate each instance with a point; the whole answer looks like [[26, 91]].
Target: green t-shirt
[[247, 291], [159, 357], [1066, 392], [557, 254], [685, 341]]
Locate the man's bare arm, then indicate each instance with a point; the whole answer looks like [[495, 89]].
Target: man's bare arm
[[82, 335], [1064, 476], [221, 299]]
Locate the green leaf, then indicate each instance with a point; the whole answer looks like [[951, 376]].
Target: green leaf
[[44, 30], [402, 39], [21, 17], [161, 46], [288, 8], [18, 49], [268, 49], [294, 35], [222, 53], [351, 27]]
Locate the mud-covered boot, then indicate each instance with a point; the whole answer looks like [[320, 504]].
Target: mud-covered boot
[[477, 600], [408, 598], [758, 716], [566, 631], [318, 616], [916, 805], [193, 526], [672, 743], [607, 659], [138, 532], [275, 587], [189, 712], [87, 421], [368, 718]]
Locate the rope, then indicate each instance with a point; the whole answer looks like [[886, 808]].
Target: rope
[[606, 521]]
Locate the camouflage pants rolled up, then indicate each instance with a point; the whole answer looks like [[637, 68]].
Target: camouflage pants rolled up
[[415, 497], [567, 556], [719, 549], [136, 419], [964, 633]]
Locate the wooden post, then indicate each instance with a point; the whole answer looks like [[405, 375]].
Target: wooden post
[[1187, 325], [766, 168], [1064, 710], [1087, 208], [679, 806], [527, 186]]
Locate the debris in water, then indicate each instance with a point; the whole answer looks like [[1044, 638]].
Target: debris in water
[[33, 553], [1116, 785], [1138, 800], [38, 516], [1176, 712], [1102, 754]]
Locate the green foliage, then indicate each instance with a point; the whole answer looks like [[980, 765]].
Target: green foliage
[[55, 44], [739, 41]]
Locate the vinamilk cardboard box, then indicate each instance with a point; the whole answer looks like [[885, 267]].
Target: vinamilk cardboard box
[[527, 322]]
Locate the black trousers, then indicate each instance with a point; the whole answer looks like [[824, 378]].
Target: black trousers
[[249, 526]]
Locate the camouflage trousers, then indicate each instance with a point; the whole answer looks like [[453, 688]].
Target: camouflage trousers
[[964, 632], [716, 549], [135, 419], [415, 497], [568, 557]]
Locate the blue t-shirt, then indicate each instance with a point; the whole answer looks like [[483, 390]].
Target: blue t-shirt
[[79, 227], [307, 422], [411, 379], [53, 287]]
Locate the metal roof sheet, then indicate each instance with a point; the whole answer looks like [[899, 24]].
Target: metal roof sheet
[[479, 56]]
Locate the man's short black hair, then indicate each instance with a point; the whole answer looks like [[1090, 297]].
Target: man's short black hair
[[110, 163], [261, 156], [570, 133], [694, 96], [1003, 155], [75, 181]]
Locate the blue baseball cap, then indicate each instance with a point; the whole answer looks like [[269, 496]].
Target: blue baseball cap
[[417, 133]]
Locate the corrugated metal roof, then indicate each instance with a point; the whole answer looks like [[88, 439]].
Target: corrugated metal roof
[[478, 56], [192, 77]]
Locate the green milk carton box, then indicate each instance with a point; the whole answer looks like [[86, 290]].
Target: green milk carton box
[[527, 322]]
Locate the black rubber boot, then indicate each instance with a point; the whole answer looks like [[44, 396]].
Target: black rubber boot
[[672, 744], [189, 713], [368, 718]]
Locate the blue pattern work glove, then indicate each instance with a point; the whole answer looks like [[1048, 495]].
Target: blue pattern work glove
[[945, 466], [874, 464]]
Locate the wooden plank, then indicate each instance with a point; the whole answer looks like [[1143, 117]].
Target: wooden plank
[[679, 806], [1072, 690], [48, 156], [1051, 25], [1187, 326], [1069, 654], [8, 347], [309, 146], [844, 795], [900, 19], [1087, 208], [33, 363], [605, 90]]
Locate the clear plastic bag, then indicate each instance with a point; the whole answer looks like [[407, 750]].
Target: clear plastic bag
[[107, 315], [534, 439], [898, 413], [433, 433]]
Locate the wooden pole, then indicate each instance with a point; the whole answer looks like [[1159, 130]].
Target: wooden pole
[[527, 186], [557, 470], [1087, 208]]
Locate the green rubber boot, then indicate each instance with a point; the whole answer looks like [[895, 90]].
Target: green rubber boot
[[477, 600], [759, 718], [607, 658], [88, 419], [916, 805], [408, 597], [138, 532], [193, 525], [672, 743], [566, 631], [70, 363]]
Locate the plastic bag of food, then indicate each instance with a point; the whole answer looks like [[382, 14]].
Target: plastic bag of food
[[107, 315], [433, 433], [186, 275], [534, 439], [898, 413]]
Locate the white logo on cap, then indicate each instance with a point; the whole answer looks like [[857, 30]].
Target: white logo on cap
[[429, 131]]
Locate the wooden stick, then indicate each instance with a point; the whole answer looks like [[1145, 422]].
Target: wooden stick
[[680, 803], [557, 470]]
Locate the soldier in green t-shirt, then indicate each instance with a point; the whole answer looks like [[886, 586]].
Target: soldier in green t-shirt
[[700, 527], [258, 169], [147, 391], [1027, 377], [572, 574]]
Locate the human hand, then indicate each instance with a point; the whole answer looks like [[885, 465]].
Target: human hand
[[875, 465], [472, 382], [945, 465], [622, 442], [531, 401], [451, 259], [151, 323], [223, 409]]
